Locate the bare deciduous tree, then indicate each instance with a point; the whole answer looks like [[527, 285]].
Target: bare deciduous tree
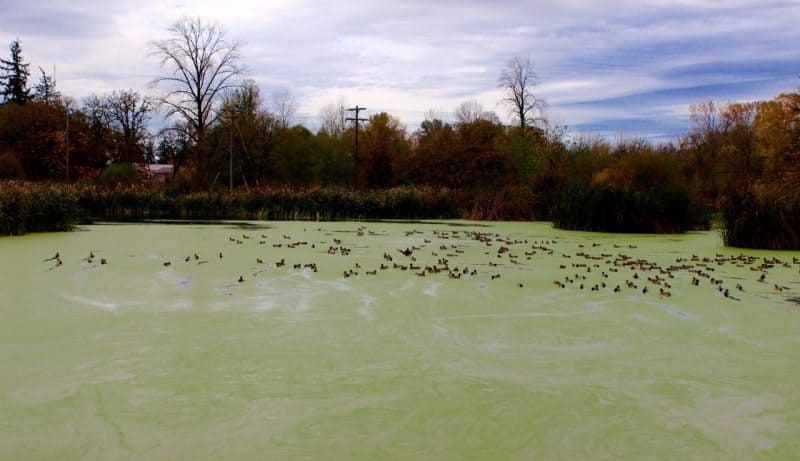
[[518, 79], [437, 114], [472, 111], [284, 105], [703, 120], [94, 109], [332, 118], [127, 113], [199, 66], [117, 124], [468, 112]]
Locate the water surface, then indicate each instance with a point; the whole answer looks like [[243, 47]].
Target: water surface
[[135, 359]]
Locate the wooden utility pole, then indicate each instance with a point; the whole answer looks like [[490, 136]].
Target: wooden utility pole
[[66, 144], [230, 160], [356, 119], [233, 115]]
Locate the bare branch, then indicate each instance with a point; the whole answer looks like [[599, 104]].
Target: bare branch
[[332, 118], [469, 111], [285, 106], [518, 79], [199, 66]]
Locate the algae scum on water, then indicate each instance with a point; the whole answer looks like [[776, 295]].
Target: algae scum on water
[[451, 340]]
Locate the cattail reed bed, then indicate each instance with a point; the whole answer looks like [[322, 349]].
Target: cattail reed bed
[[35, 207], [135, 203], [611, 208], [768, 220]]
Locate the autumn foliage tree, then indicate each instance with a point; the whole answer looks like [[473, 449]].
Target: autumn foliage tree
[[434, 154], [386, 149], [32, 140], [776, 127]]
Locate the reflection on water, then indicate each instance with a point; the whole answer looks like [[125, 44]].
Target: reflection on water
[[325, 341]]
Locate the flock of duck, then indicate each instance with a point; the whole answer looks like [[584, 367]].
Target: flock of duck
[[600, 267]]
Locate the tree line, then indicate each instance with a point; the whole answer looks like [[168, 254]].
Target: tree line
[[222, 131], [214, 114]]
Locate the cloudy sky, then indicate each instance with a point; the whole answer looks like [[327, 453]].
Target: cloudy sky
[[617, 66]]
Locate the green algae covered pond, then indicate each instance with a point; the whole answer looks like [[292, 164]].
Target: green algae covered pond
[[485, 341]]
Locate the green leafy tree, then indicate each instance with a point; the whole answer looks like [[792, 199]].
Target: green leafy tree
[[479, 135], [434, 153], [297, 156], [386, 151], [15, 77], [335, 157], [248, 132]]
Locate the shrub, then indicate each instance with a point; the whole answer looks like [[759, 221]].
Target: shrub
[[119, 173]]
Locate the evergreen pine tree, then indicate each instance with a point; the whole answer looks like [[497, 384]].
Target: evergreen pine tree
[[14, 77], [45, 91]]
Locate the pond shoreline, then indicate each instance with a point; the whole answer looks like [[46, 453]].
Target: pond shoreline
[[42, 207]]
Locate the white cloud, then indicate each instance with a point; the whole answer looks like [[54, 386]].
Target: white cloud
[[408, 57]]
